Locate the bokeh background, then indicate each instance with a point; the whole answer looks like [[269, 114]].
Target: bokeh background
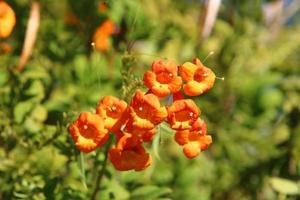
[[253, 115]]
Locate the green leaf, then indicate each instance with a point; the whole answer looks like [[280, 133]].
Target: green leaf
[[281, 134], [39, 113], [113, 190], [284, 186], [150, 192], [20, 195], [32, 125], [21, 110], [36, 89], [35, 73]]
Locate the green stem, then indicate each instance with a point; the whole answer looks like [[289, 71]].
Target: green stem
[[101, 172]]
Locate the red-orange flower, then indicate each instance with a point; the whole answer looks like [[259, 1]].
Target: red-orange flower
[[199, 127], [182, 114], [144, 134], [7, 19], [146, 111], [129, 154], [102, 34], [199, 78], [163, 79], [88, 132], [113, 111], [196, 144], [194, 140]]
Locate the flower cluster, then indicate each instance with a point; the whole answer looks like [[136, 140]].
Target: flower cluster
[[135, 123]]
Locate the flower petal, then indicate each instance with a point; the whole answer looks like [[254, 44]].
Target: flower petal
[[187, 71], [191, 150]]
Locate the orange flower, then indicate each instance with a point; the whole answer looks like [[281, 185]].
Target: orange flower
[[102, 34], [196, 144], [129, 154], [182, 114], [199, 78], [194, 140], [7, 19], [113, 111], [199, 127], [163, 79], [146, 111], [88, 132], [144, 134]]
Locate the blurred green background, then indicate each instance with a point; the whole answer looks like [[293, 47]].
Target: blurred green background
[[253, 115]]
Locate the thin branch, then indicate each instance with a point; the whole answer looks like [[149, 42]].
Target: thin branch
[[31, 34], [208, 17]]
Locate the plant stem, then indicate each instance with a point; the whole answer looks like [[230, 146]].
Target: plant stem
[[101, 172]]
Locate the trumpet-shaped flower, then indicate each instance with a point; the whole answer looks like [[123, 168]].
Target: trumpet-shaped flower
[[194, 140], [88, 132], [113, 111], [7, 19], [198, 78], [146, 111], [199, 127], [182, 114], [144, 134], [162, 80], [129, 154]]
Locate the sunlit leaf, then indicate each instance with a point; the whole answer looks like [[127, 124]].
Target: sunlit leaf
[[285, 186]]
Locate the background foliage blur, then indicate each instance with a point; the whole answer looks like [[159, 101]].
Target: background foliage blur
[[253, 116]]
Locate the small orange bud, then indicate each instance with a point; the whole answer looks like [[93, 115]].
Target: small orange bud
[[102, 7], [88, 132], [5, 48]]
